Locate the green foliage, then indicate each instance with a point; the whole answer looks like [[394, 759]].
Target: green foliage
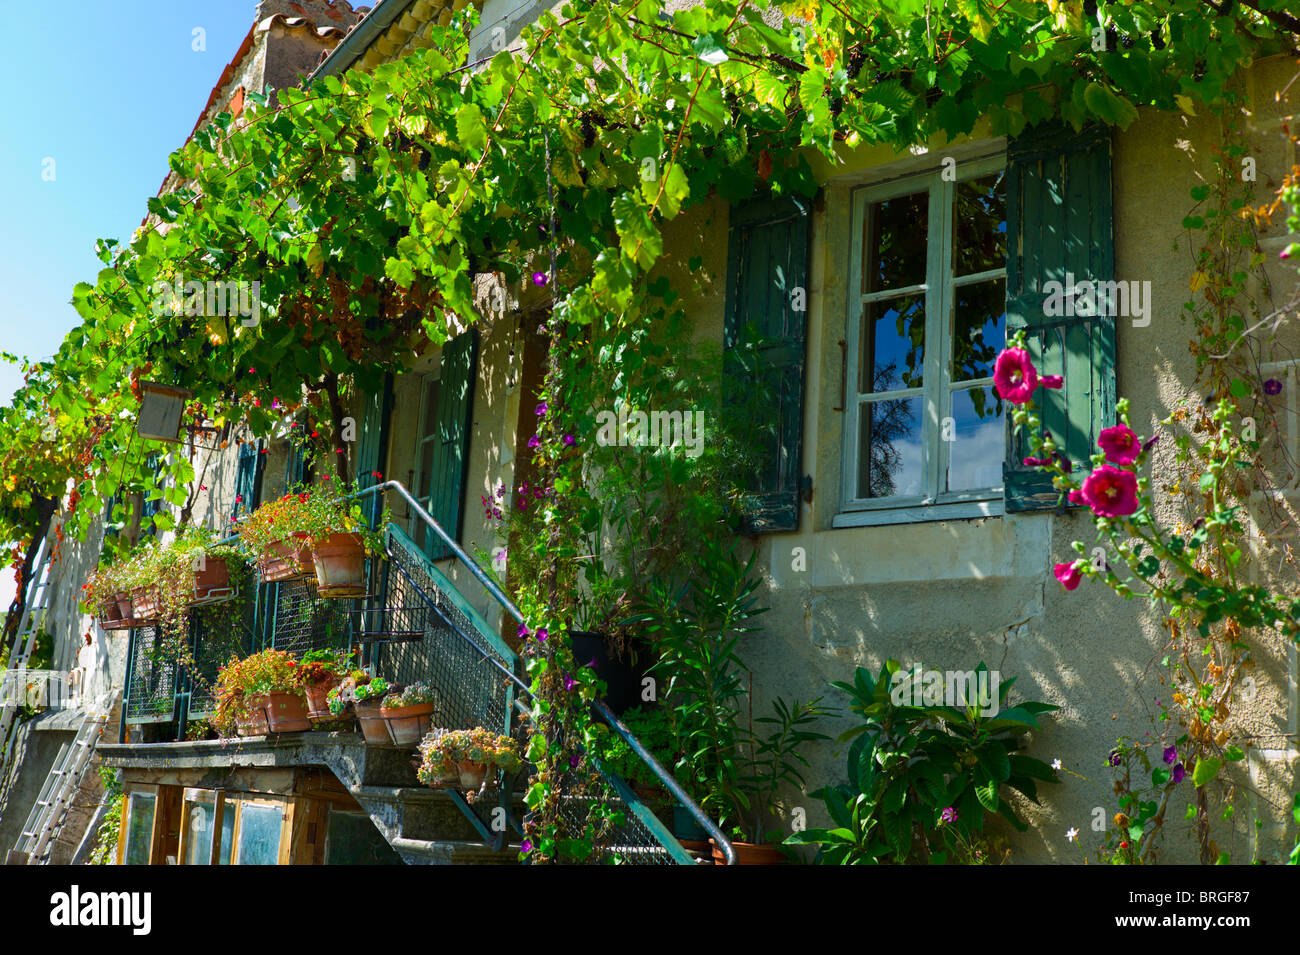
[[732, 770], [105, 850], [908, 765]]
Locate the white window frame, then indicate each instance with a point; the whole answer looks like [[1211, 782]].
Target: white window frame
[[938, 387]]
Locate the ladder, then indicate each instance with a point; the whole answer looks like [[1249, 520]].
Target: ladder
[[24, 644], [50, 811]]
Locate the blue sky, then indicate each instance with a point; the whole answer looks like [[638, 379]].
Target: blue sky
[[107, 91]]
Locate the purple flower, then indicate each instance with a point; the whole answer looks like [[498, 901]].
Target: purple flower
[[523, 631], [1272, 387], [526, 846], [568, 441], [539, 279], [574, 760], [948, 815], [569, 682], [1114, 758], [1170, 754], [534, 441], [1179, 773], [1149, 442], [541, 409], [541, 634]]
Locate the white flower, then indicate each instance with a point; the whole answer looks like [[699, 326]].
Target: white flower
[[1056, 764], [1071, 833]]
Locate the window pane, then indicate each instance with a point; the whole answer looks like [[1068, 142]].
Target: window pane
[[979, 328], [228, 811], [139, 831], [893, 344], [894, 242], [980, 225], [975, 455], [198, 847], [259, 834], [430, 421], [889, 448]]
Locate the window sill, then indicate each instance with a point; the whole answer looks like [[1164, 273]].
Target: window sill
[[953, 511]]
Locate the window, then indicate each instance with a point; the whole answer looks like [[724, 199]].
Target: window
[[251, 829], [927, 316], [138, 828]]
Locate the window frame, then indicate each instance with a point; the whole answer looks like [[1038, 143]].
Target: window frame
[[938, 289]]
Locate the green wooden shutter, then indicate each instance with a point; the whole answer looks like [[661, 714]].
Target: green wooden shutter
[[295, 467], [247, 485], [765, 338], [451, 450], [1060, 219], [373, 444]]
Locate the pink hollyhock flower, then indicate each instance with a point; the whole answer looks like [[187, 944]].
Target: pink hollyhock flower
[[1014, 376], [1110, 492], [1051, 381], [1120, 444], [1068, 574]]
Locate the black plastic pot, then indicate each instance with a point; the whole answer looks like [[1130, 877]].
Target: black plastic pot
[[622, 679]]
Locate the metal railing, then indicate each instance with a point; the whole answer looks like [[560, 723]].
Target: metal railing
[[419, 627]]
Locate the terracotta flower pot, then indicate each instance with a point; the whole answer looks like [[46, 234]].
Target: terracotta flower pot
[[441, 780], [146, 604], [373, 726], [285, 560], [287, 713], [212, 583], [253, 721], [123, 600], [472, 774], [340, 562], [748, 853], [318, 707], [408, 724]]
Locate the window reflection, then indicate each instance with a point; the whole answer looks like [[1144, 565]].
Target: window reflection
[[975, 454], [896, 234], [893, 343], [890, 448]]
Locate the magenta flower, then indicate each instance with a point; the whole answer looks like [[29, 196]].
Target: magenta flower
[[1014, 376], [949, 815], [523, 631], [1037, 462], [1069, 575], [541, 409], [569, 682], [1110, 492], [1120, 444], [539, 279], [526, 846], [541, 634], [1170, 754], [1075, 497], [1055, 382], [568, 441], [534, 441]]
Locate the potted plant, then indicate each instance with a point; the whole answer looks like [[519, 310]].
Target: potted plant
[[432, 770], [265, 683], [319, 672], [102, 596], [365, 694], [275, 535], [474, 755], [731, 769], [408, 713], [340, 537]]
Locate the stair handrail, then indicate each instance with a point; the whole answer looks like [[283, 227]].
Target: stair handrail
[[602, 710]]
